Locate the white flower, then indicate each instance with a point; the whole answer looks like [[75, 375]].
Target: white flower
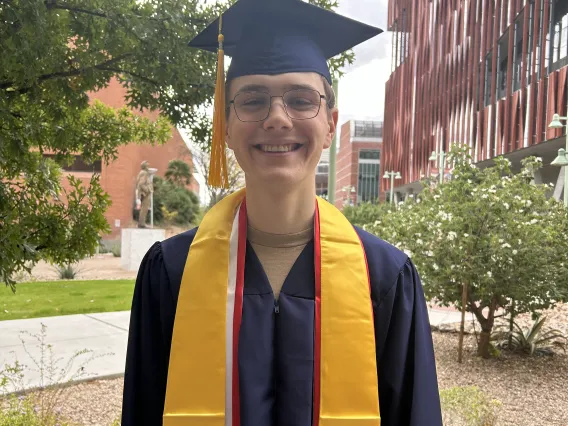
[[451, 236], [407, 252], [539, 159], [506, 206], [429, 253], [452, 267], [533, 221], [501, 240], [466, 235], [484, 196], [520, 242], [419, 241], [436, 267], [528, 203], [489, 274], [515, 251], [506, 245], [436, 197]]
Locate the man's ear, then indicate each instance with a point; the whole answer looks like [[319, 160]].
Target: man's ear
[[333, 117]]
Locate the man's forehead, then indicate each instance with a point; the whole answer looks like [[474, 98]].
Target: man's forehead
[[287, 81]]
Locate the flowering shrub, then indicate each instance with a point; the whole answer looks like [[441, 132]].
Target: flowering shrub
[[493, 230]]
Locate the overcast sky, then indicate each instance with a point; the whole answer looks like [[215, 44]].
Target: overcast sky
[[362, 89]]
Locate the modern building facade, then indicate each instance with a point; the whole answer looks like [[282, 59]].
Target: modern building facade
[[358, 170], [118, 178], [488, 74]]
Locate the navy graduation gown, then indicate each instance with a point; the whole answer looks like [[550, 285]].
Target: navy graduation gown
[[276, 339]]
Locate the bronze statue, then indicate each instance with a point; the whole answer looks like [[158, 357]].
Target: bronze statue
[[144, 188]]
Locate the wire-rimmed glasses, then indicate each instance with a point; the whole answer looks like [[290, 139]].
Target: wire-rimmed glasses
[[299, 104]]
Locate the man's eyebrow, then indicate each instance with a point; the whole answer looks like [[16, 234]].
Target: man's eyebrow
[[262, 88], [253, 88], [299, 87]]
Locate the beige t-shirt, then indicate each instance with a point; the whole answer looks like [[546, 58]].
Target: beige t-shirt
[[278, 253]]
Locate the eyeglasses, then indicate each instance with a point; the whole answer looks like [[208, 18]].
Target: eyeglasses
[[299, 104]]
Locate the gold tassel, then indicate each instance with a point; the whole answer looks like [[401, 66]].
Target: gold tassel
[[218, 164]]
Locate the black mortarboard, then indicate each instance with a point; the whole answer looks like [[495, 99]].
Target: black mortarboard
[[273, 37]]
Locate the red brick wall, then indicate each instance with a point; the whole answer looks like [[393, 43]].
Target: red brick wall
[[118, 178], [348, 164]]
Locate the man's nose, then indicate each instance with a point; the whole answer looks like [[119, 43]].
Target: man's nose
[[278, 117]]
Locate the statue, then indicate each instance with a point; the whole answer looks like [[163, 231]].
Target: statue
[[144, 188]]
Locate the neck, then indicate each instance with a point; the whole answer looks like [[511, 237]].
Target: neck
[[281, 211]]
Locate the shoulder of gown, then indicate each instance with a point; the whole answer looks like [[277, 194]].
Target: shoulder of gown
[[408, 385]]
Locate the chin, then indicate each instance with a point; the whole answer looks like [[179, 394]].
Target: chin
[[281, 177]]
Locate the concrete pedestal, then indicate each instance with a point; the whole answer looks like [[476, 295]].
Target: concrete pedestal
[[135, 244]]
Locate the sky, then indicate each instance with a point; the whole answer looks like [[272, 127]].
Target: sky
[[362, 88]]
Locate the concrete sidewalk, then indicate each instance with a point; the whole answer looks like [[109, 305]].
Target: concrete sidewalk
[[104, 334]]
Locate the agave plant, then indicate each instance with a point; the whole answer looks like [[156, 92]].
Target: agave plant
[[532, 340]]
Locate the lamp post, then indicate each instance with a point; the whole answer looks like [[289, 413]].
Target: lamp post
[[441, 156], [562, 159], [347, 191], [152, 173], [392, 176]]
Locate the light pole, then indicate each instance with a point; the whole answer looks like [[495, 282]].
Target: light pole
[[562, 159], [441, 163], [347, 191], [392, 176], [152, 173]]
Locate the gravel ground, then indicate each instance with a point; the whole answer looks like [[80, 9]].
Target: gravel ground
[[532, 391]]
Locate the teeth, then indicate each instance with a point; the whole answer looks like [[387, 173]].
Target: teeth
[[277, 148]]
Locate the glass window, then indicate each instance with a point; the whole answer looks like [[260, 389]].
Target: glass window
[[369, 176]]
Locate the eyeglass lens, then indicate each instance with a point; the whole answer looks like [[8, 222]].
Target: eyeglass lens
[[300, 104]]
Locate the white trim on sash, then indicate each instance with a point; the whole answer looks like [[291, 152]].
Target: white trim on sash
[[231, 291]]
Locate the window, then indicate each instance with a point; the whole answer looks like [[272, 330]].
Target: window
[[488, 79], [369, 176], [323, 169], [559, 34], [368, 129], [530, 42], [503, 58], [78, 165], [518, 52]]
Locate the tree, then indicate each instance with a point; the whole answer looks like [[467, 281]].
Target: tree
[[496, 235], [54, 53], [236, 175], [178, 173]]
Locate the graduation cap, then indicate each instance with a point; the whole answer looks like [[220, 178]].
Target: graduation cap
[[269, 37]]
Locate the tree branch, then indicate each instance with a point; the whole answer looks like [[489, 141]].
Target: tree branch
[[121, 71], [52, 4], [61, 74]]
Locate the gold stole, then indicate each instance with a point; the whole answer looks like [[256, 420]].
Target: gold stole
[[202, 388]]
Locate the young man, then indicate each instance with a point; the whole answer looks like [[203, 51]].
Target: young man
[[276, 311]]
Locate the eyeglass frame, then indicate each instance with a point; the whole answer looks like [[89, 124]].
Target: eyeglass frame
[[232, 102]]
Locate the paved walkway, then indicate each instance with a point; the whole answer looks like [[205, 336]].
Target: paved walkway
[[104, 334]]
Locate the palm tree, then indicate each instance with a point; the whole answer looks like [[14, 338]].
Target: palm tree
[[178, 173]]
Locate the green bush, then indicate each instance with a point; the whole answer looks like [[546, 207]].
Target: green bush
[[67, 272], [115, 249], [366, 213], [468, 406], [23, 411], [175, 199]]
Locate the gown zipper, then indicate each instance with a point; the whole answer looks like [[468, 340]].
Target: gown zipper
[[276, 307]]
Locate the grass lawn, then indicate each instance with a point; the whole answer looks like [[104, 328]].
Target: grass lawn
[[51, 298]]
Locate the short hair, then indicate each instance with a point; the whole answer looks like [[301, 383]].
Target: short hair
[[327, 89]]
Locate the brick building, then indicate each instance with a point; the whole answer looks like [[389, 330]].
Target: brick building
[[358, 163], [488, 74], [118, 178]]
